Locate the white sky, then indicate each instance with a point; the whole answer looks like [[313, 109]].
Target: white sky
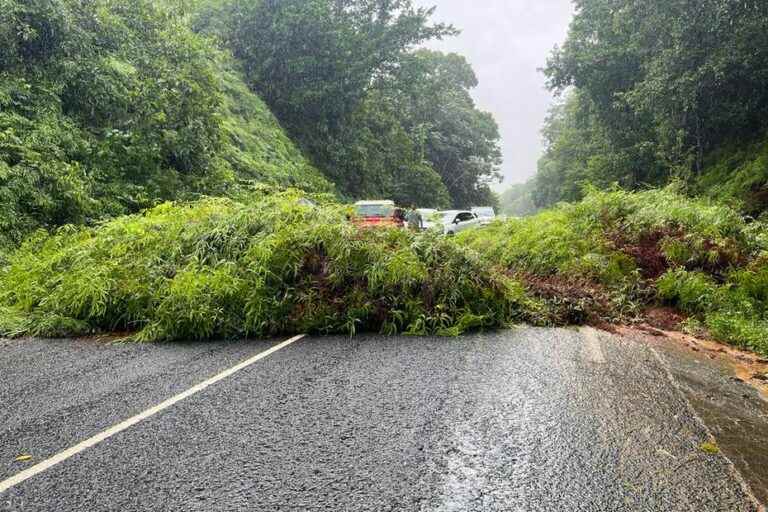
[[506, 41]]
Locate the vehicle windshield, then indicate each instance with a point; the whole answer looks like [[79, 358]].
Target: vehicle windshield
[[484, 212], [375, 210]]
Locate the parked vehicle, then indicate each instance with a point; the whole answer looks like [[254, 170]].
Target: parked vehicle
[[486, 214], [378, 214], [455, 221]]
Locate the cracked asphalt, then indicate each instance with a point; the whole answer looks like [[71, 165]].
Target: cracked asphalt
[[521, 420]]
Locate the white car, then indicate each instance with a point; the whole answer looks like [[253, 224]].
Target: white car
[[486, 214], [455, 221]]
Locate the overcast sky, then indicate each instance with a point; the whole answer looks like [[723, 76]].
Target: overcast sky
[[506, 41]]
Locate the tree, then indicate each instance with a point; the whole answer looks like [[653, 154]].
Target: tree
[[432, 93], [666, 82], [376, 117], [577, 152], [373, 155], [313, 60]]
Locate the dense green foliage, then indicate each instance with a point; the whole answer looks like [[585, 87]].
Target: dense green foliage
[[656, 90], [270, 264], [150, 108], [379, 119], [109, 107], [615, 252], [652, 92], [430, 90]]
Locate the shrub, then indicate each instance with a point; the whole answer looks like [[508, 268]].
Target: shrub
[[734, 328], [737, 173], [271, 263], [546, 243]]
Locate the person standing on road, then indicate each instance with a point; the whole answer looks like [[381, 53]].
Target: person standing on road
[[415, 222]]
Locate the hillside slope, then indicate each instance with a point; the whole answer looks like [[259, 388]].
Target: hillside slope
[[108, 108], [738, 173], [616, 253]]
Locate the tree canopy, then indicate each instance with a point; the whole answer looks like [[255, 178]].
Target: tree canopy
[[517, 200], [653, 88], [377, 117]]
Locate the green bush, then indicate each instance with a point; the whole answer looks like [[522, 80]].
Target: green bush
[[546, 243], [268, 265], [733, 311], [604, 236], [737, 173]]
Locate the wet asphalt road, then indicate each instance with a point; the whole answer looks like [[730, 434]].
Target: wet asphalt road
[[523, 420]]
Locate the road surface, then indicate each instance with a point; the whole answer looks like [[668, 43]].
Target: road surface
[[521, 420]]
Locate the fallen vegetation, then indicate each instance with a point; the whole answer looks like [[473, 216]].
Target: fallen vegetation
[[271, 263], [615, 254]]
